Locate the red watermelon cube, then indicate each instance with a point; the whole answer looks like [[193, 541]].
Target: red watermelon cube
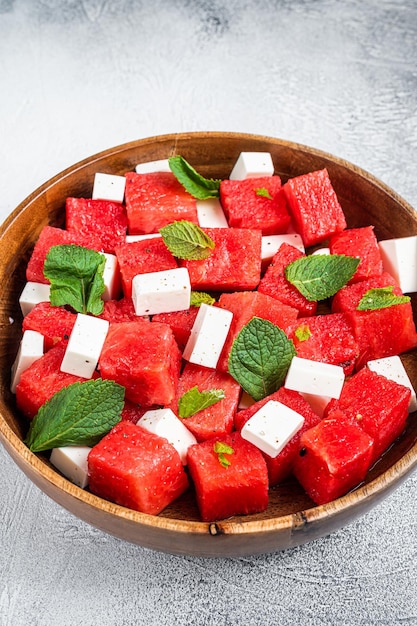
[[141, 257], [119, 311], [103, 219], [155, 200], [39, 382], [379, 406], [274, 283], [234, 263], [239, 488], [136, 469], [334, 457], [247, 304], [216, 420], [255, 203], [360, 243], [180, 322], [144, 358], [348, 298], [326, 338], [52, 236], [383, 332], [280, 467], [314, 206], [55, 323]]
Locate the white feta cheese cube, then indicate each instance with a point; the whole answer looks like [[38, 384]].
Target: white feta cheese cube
[[210, 214], [165, 423], [84, 345], [272, 427], [71, 461], [132, 238], [272, 243], [312, 377], [30, 349], [252, 165], [399, 258], [161, 165], [111, 277], [161, 292], [392, 367], [109, 187], [32, 294], [208, 335]]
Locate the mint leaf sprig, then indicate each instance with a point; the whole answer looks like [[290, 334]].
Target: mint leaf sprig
[[320, 276], [197, 298], [221, 449], [380, 298], [260, 357], [76, 277], [77, 415], [186, 240], [193, 401], [196, 185]]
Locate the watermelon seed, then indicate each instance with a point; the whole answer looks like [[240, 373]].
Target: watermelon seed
[[303, 451]]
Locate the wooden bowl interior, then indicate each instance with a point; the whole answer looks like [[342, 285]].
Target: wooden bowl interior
[[291, 517]]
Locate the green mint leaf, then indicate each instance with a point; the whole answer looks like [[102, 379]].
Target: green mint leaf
[[76, 277], [78, 415], [380, 298], [221, 449], [196, 185], [260, 357], [263, 191], [193, 400], [197, 298], [302, 332], [186, 240], [320, 276]]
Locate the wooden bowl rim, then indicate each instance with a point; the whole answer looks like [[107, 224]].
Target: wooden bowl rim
[[39, 472]]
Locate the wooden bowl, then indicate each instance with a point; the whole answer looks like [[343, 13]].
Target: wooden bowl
[[291, 518]]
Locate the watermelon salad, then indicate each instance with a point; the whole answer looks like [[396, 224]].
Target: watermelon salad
[[221, 336]]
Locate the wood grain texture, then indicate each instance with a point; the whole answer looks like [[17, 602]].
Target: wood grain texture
[[291, 518]]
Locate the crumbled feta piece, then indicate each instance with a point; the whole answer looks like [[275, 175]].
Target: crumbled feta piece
[[392, 367], [161, 292], [252, 165], [30, 349], [208, 335], [399, 258], [84, 345], [109, 187], [165, 423], [272, 427], [72, 462], [32, 294]]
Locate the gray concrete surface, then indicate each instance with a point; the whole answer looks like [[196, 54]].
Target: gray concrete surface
[[79, 76]]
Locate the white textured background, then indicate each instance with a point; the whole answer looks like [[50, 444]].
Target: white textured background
[[77, 77]]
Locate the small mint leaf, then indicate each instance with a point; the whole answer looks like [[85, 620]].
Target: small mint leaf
[[76, 277], [380, 298], [77, 415], [186, 240], [260, 357], [193, 401], [197, 298], [302, 332], [221, 449], [320, 276], [196, 185], [263, 192]]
